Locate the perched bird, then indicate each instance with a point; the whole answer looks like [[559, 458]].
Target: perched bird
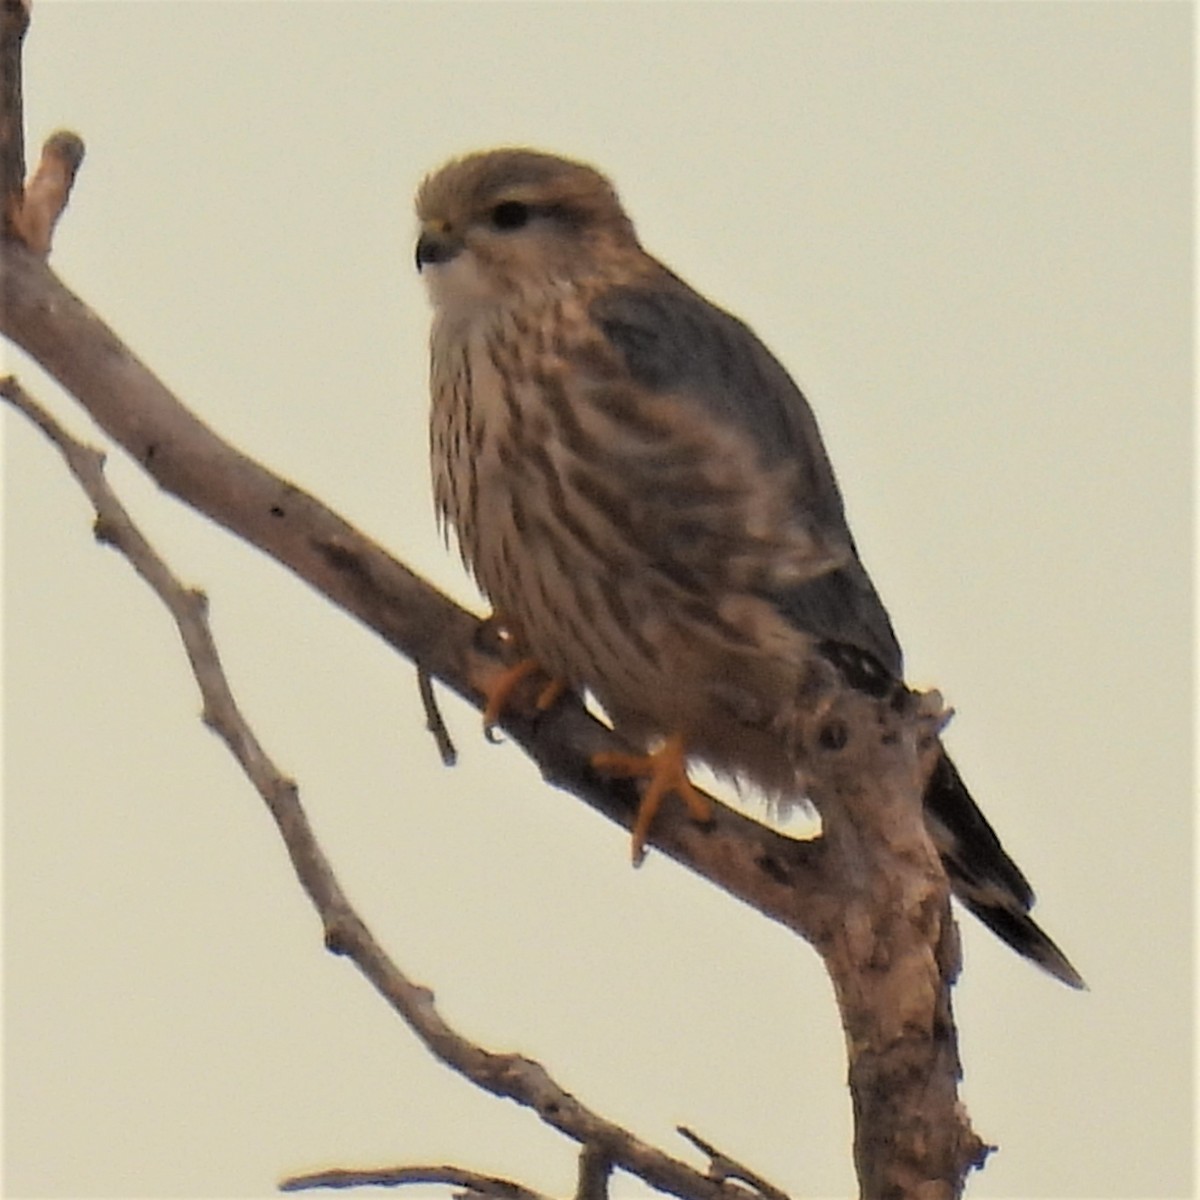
[[643, 494]]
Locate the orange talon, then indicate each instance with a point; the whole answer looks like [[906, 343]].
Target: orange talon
[[665, 771], [500, 689]]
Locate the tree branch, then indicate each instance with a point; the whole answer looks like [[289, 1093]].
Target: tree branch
[[721, 1166], [14, 21], [595, 1169], [477, 1185], [509, 1075], [48, 190], [433, 718]]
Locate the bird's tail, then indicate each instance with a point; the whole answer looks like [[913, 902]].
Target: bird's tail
[[983, 876]]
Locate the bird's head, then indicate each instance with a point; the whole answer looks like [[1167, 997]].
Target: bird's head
[[499, 220]]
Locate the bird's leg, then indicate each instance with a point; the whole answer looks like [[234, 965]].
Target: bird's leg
[[498, 688], [665, 770]]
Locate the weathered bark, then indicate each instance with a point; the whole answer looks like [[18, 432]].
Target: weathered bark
[[892, 953], [14, 21]]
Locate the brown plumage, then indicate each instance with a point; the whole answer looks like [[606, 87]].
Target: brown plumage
[[642, 493]]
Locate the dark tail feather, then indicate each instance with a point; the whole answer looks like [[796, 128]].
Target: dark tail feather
[[982, 875]]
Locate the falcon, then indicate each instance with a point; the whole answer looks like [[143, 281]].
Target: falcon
[[642, 493]]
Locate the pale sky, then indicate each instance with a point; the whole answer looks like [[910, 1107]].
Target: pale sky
[[966, 230]]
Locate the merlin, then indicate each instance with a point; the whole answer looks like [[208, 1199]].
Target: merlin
[[642, 493]]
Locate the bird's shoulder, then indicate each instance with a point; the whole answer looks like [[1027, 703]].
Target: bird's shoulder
[[668, 338]]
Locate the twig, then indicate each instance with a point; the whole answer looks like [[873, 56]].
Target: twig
[[14, 21], [595, 1168], [48, 190], [721, 1166], [475, 1183], [433, 717], [189, 609], [29, 210], [510, 1075]]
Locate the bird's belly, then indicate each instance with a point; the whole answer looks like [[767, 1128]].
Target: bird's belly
[[584, 622], [658, 661], [665, 647]]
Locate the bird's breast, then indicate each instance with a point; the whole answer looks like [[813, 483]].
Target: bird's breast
[[507, 460], [623, 540]]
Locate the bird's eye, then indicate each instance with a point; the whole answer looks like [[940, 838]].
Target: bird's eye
[[510, 214]]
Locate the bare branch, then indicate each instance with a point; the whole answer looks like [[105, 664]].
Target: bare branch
[[14, 21], [509, 1075], [29, 211], [721, 1166], [595, 1168], [476, 1184], [189, 608], [48, 190], [433, 718]]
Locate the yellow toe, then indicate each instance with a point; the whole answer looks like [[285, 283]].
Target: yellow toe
[[665, 771]]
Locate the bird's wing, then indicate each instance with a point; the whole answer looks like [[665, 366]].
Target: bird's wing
[[672, 340]]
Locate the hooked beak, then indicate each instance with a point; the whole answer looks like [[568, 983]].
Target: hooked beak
[[436, 248]]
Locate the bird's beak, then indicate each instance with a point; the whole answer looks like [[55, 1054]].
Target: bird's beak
[[436, 248]]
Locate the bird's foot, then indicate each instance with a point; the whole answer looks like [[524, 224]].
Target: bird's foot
[[665, 770], [499, 689]]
